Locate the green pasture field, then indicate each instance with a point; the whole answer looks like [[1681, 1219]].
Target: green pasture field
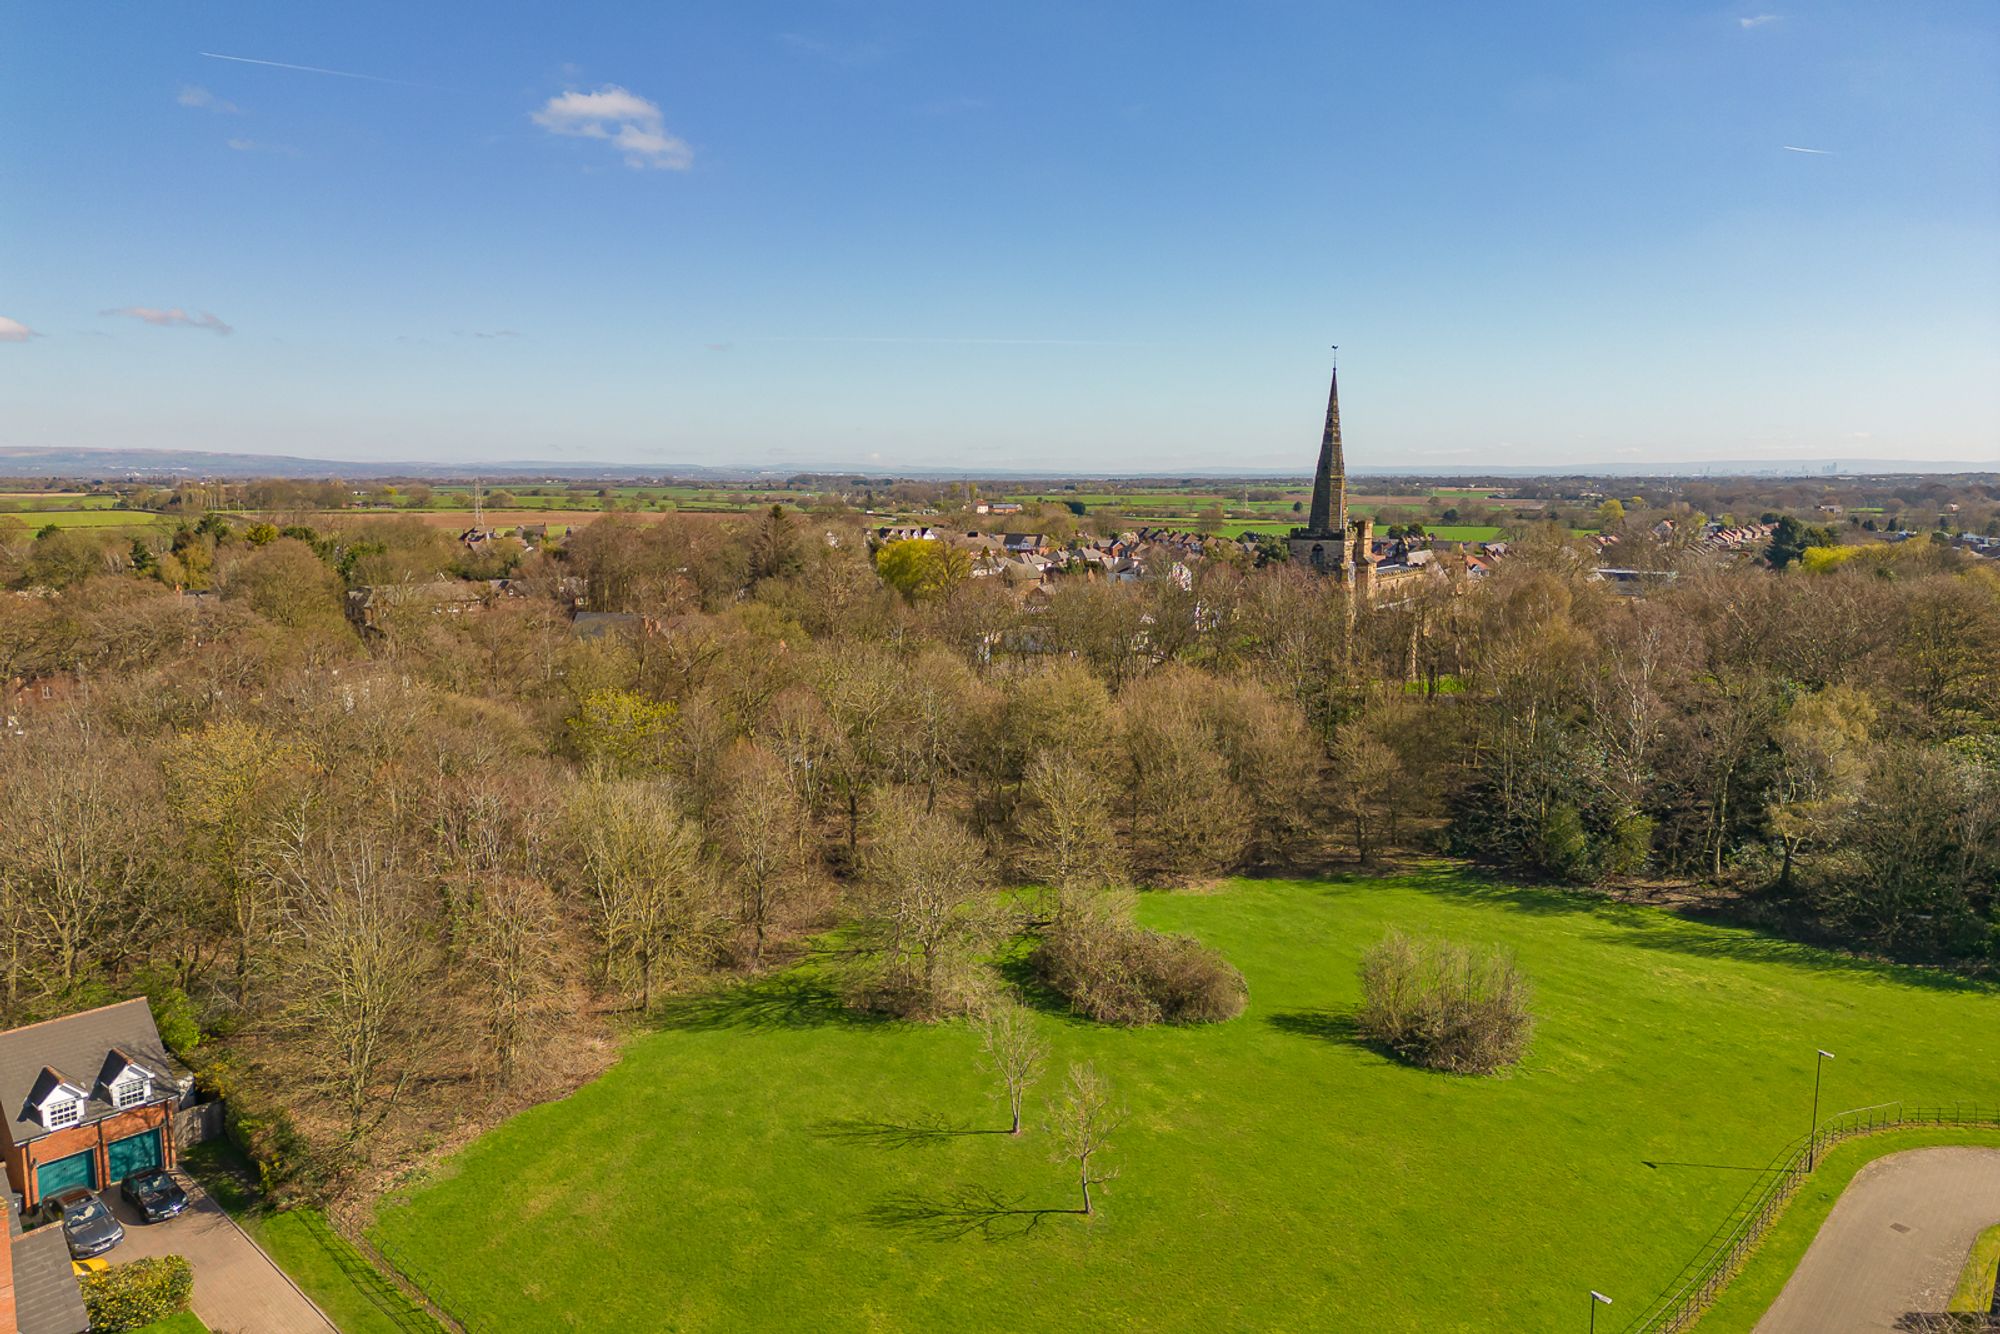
[[25, 502], [762, 1158], [36, 520]]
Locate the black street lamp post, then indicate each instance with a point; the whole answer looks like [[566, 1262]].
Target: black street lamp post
[[1812, 1137], [1596, 1298]]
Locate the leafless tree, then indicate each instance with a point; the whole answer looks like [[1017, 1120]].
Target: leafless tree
[[1081, 1122], [1015, 1052], [928, 914], [757, 827], [1070, 842], [70, 850], [362, 979]]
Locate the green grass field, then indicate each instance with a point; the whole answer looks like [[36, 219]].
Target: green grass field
[[764, 1159]]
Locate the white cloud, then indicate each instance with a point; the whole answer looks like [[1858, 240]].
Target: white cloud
[[13, 331], [1757, 20], [259, 146], [194, 95], [176, 318], [628, 121]]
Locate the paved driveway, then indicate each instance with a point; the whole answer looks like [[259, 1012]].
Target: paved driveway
[[237, 1290], [1893, 1244]]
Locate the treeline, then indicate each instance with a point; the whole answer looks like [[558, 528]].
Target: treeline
[[396, 873]]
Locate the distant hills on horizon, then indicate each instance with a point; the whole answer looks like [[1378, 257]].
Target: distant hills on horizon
[[29, 461]]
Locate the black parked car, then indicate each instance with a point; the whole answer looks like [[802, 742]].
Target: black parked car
[[87, 1225], [154, 1194]]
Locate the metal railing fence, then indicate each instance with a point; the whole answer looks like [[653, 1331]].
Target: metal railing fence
[[1703, 1279]]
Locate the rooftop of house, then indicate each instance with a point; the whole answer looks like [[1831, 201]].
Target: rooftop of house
[[47, 1299], [86, 1050]]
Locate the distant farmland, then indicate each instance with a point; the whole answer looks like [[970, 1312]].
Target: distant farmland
[[93, 518], [457, 520]]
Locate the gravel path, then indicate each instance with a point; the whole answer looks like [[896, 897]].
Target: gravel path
[[1893, 1244]]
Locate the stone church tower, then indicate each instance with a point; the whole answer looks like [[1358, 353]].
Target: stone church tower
[[1329, 543]]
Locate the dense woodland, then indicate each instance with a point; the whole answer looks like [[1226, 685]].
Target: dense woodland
[[397, 882]]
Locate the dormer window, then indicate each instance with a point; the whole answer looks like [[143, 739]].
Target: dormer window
[[56, 1102], [124, 1082]]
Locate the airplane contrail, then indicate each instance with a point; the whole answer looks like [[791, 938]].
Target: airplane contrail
[[311, 69], [1816, 152]]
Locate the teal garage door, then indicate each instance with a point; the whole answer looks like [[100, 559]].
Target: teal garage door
[[140, 1153], [79, 1169]]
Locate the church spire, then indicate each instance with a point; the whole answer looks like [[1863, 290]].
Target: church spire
[[1329, 503]]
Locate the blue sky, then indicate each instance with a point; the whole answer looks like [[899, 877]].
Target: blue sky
[[1096, 237]]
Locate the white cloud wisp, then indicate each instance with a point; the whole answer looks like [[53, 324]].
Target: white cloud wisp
[[13, 331], [194, 95], [175, 318], [630, 123]]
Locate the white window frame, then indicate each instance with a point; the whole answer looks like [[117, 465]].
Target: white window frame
[[130, 1093], [62, 1113]]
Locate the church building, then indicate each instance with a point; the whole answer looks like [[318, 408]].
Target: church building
[[1330, 543]]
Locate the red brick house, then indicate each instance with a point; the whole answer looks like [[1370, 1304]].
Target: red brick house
[[89, 1099]]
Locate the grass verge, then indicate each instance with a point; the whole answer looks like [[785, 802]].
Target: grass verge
[[342, 1281], [1975, 1285], [1758, 1284], [187, 1322]]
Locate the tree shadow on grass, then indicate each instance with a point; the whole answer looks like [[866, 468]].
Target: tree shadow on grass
[[1656, 1164], [961, 1212], [1016, 965], [1326, 1025], [792, 999], [1537, 900], [899, 1135], [1736, 942], [1673, 932]]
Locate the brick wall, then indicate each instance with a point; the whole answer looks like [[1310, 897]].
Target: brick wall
[[7, 1320], [24, 1159]]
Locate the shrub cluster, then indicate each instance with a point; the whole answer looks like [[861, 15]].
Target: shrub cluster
[[134, 1295], [1118, 973], [1445, 1006]]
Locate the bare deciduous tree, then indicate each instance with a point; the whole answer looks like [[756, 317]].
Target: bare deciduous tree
[[224, 783], [1015, 1052], [513, 931], [927, 881], [1081, 1123], [757, 827], [1071, 845], [362, 973], [69, 852]]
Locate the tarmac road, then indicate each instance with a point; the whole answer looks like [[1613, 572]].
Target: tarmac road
[[1894, 1243]]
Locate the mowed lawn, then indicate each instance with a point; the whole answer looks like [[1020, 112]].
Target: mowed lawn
[[765, 1160]]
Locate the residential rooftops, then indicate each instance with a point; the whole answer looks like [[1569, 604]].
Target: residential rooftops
[[87, 1050]]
